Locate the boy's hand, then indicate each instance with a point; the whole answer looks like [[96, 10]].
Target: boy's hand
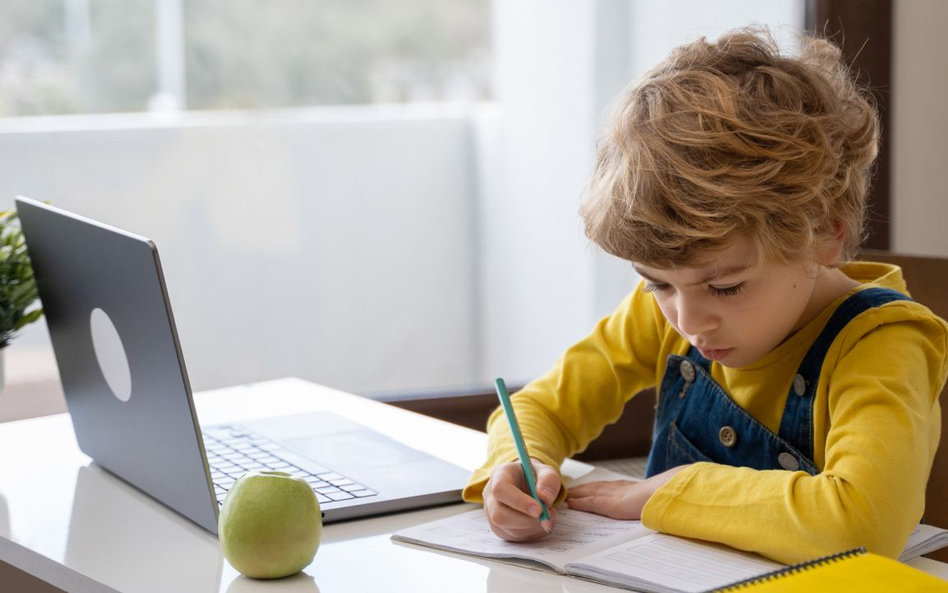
[[513, 514], [619, 499]]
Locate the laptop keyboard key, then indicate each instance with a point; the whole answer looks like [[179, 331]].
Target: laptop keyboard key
[[337, 496]]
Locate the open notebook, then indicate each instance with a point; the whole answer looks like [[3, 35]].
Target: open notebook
[[619, 553]]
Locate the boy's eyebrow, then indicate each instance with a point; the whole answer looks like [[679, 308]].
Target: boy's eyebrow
[[713, 275]]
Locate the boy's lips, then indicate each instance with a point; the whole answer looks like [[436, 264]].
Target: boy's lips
[[715, 353]]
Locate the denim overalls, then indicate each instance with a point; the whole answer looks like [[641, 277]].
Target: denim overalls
[[697, 420]]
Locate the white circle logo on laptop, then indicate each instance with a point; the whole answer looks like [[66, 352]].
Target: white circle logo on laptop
[[110, 353]]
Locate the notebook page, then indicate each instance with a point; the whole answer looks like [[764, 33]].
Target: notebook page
[[575, 535], [924, 539], [660, 562]]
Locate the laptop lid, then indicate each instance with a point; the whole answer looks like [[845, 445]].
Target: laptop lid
[[119, 359], [127, 389]]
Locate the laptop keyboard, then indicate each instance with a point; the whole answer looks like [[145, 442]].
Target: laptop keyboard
[[233, 451]]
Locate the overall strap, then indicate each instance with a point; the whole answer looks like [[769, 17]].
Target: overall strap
[[796, 425]]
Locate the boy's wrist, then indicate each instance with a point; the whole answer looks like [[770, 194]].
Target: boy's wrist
[[662, 495]]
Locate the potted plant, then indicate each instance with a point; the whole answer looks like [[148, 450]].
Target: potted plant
[[19, 304]]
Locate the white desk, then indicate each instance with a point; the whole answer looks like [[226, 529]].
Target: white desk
[[77, 527]]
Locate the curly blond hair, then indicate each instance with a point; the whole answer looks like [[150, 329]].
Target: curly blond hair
[[733, 138]]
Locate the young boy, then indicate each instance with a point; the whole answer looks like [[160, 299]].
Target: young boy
[[798, 405]]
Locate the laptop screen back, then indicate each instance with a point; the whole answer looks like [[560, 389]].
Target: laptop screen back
[[119, 358]]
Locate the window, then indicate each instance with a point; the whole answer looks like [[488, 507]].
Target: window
[[94, 56]]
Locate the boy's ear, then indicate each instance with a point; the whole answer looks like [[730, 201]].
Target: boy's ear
[[832, 249]]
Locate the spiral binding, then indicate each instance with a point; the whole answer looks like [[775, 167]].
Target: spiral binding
[[789, 570]]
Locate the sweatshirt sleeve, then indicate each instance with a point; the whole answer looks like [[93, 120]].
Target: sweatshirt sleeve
[[884, 429], [564, 410]]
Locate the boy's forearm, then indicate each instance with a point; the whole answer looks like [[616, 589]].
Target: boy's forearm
[[787, 516]]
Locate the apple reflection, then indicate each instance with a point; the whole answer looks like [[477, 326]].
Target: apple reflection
[[298, 583]]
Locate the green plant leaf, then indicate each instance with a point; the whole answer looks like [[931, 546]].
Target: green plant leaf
[[18, 291], [28, 318]]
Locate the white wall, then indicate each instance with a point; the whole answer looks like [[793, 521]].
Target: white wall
[[334, 245], [919, 128], [657, 27], [535, 277]]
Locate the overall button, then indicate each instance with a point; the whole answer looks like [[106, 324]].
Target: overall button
[[687, 370], [788, 461], [799, 385], [727, 436]]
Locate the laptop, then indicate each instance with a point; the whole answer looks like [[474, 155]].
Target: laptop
[[127, 391]]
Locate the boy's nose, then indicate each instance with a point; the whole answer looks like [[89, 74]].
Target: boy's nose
[[695, 321]]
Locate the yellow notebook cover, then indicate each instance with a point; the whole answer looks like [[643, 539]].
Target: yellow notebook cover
[[857, 570]]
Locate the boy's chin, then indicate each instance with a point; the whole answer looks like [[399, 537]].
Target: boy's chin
[[736, 359]]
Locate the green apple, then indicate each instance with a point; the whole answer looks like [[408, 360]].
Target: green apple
[[270, 525]]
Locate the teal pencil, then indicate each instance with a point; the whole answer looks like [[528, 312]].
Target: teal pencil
[[522, 451]]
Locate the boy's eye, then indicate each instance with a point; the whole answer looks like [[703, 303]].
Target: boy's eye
[[655, 287], [726, 290], [720, 291]]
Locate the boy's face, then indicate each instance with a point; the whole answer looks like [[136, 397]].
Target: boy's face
[[735, 309]]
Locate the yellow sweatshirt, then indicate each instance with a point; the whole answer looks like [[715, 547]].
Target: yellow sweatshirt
[[876, 421]]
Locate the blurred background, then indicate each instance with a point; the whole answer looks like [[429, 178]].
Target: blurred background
[[382, 196]]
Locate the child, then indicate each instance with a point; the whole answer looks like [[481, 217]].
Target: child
[[798, 405]]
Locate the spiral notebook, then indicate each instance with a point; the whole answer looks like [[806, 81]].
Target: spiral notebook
[[856, 570]]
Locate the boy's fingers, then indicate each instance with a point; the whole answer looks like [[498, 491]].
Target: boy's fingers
[[588, 503], [593, 488], [509, 494], [511, 511], [513, 525], [548, 482], [506, 487]]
